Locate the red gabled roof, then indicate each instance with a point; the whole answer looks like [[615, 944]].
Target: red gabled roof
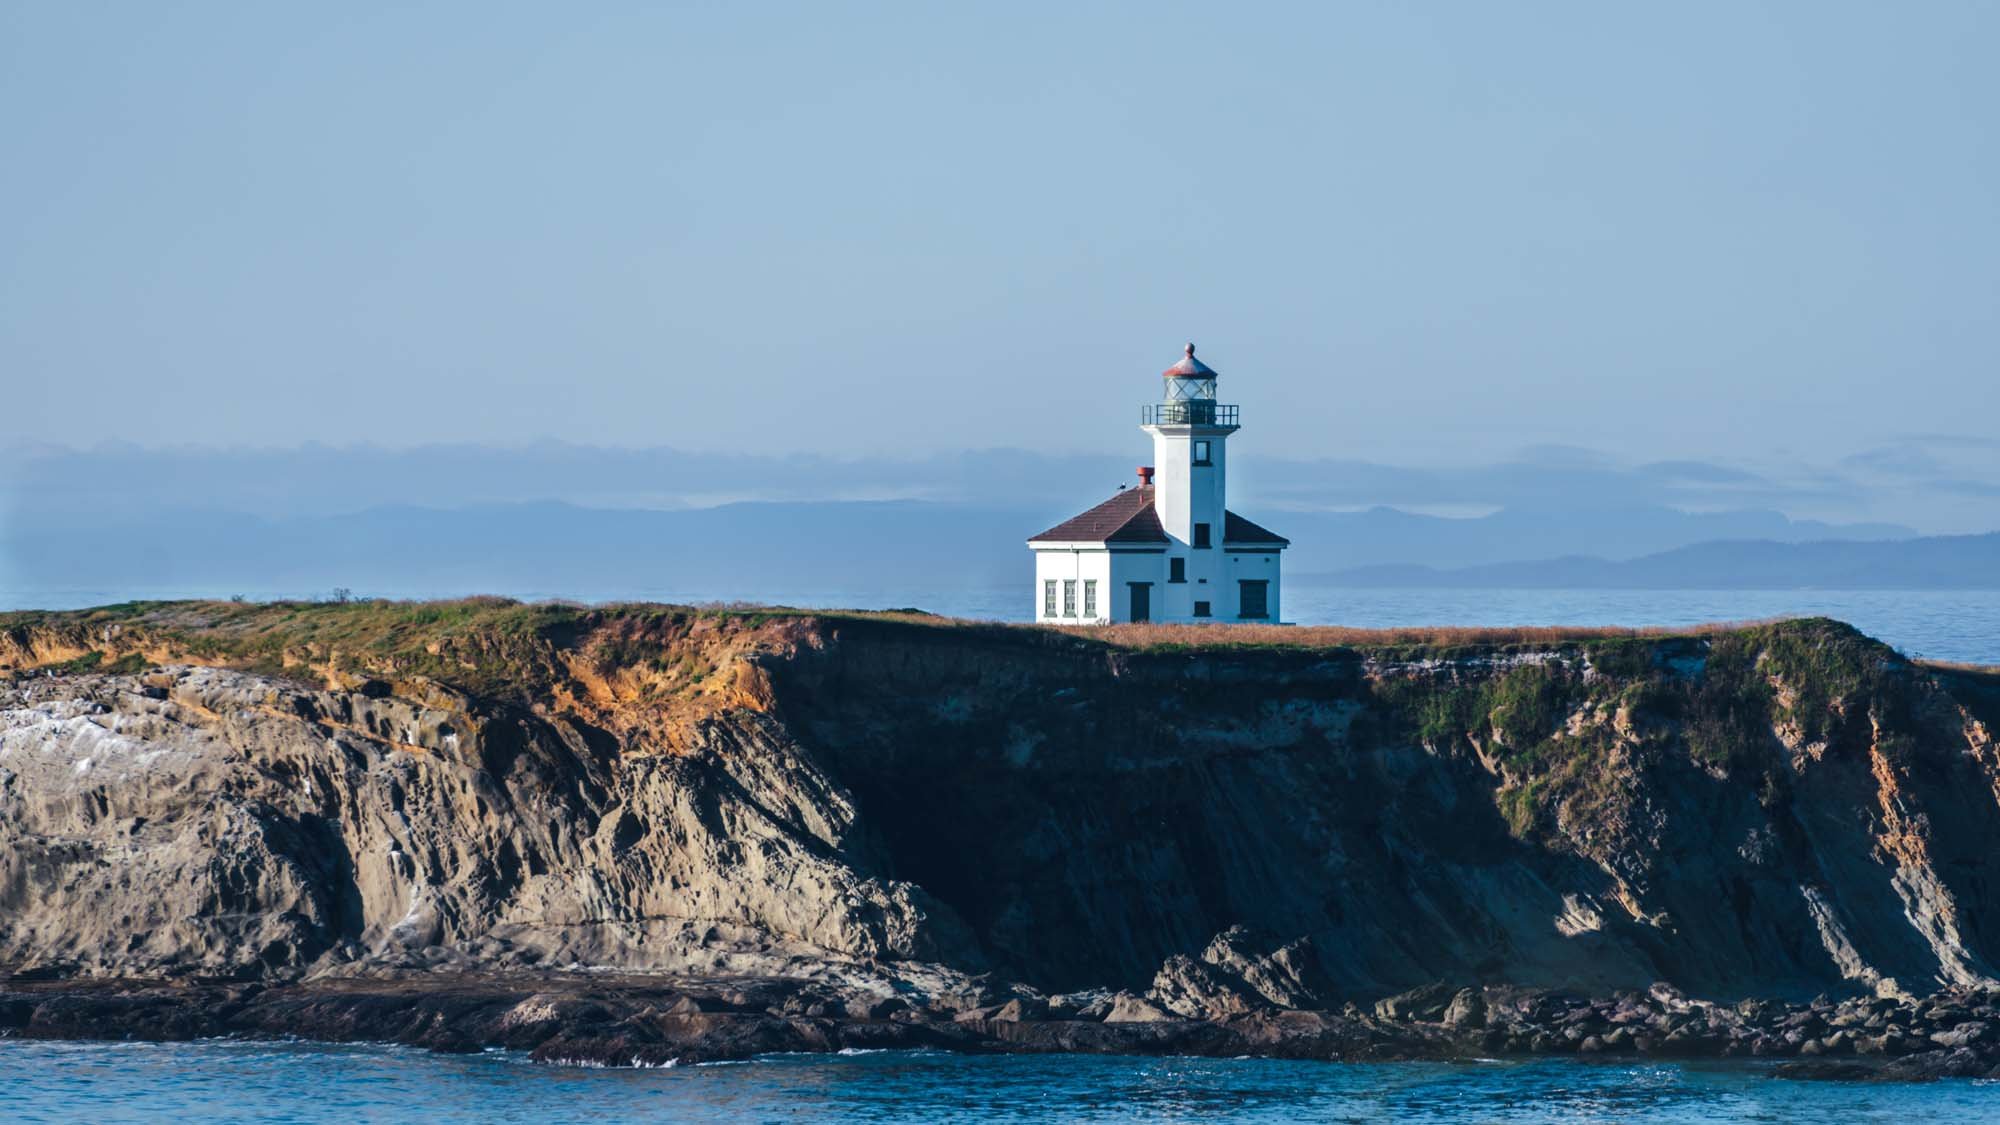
[[1129, 517], [1125, 518], [1236, 529]]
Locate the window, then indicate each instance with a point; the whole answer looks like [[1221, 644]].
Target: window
[[1090, 597], [1253, 601], [1177, 570], [1069, 597], [1201, 453], [1201, 535], [1049, 598], [1201, 609]]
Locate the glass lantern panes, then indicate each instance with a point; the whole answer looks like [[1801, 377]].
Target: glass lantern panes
[[1187, 389]]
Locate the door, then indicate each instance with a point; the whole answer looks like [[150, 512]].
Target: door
[[1142, 600], [1253, 598]]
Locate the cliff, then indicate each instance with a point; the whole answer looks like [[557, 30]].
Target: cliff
[[1203, 822]]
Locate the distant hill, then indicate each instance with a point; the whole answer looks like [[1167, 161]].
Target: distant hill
[[1381, 535], [1338, 514], [1935, 562], [775, 550], [736, 550]]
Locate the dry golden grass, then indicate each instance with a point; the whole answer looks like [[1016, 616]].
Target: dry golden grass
[[1959, 666], [410, 629], [1157, 635]]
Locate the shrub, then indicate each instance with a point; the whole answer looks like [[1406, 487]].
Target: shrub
[[1524, 706]]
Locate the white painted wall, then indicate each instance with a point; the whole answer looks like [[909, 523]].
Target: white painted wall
[[1186, 494], [1239, 565], [1115, 571], [1077, 564], [1128, 567]]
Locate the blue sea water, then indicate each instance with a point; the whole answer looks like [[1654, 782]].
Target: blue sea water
[[246, 1081], [1938, 624]]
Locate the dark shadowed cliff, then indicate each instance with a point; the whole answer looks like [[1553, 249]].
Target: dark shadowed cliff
[[274, 792]]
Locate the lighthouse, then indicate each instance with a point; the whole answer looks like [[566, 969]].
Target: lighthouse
[[1166, 548]]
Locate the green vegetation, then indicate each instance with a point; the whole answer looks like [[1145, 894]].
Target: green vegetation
[[94, 661], [480, 644], [261, 632], [1817, 654], [1723, 713], [1824, 665], [1727, 716], [1520, 707], [1622, 657], [88, 662], [1717, 702], [1524, 706], [1523, 805], [1445, 713]]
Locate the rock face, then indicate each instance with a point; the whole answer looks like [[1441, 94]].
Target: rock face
[[966, 818], [212, 823], [1234, 978]]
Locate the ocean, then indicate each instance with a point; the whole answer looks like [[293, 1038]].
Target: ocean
[[1937, 624], [216, 1080]]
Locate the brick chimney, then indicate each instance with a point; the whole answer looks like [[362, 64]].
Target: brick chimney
[[1145, 476]]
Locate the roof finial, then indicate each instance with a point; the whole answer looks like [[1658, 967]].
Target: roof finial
[[1190, 347]]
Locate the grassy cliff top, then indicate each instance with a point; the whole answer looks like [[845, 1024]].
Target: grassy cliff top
[[381, 625], [485, 642]]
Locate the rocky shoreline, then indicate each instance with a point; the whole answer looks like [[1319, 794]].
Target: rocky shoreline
[[636, 1021]]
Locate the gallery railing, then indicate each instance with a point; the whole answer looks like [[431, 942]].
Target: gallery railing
[[1187, 414]]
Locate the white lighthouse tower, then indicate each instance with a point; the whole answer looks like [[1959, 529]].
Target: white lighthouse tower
[[1169, 549]]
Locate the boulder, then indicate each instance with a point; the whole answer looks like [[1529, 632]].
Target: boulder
[[1127, 1007], [1286, 976], [1961, 1062], [1466, 1011], [1425, 1002], [1198, 990], [1091, 1004], [1964, 1034], [1022, 1008]]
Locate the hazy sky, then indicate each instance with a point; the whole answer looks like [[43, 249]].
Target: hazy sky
[[1403, 231]]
